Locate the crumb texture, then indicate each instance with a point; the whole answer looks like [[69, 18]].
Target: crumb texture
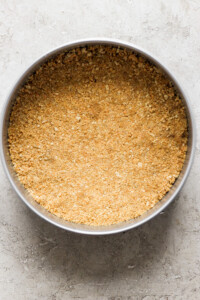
[[98, 135]]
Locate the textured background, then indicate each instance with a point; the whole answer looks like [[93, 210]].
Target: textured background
[[161, 259]]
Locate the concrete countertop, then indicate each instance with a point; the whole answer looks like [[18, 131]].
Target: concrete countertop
[[161, 259]]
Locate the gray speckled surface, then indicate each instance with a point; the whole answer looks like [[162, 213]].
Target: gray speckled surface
[[161, 259]]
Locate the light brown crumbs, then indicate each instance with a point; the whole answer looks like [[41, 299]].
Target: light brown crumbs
[[98, 135]]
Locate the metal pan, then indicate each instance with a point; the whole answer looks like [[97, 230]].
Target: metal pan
[[80, 228]]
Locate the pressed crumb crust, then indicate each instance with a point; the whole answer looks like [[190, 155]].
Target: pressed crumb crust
[[98, 135]]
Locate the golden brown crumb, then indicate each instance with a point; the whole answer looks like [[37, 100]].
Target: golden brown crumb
[[98, 135]]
